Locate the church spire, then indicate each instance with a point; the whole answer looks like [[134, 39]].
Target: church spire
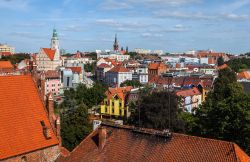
[[54, 34], [116, 44]]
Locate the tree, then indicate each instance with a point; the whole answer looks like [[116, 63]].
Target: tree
[[155, 111], [90, 67], [220, 61], [75, 126], [133, 83], [225, 114], [239, 64], [16, 58]]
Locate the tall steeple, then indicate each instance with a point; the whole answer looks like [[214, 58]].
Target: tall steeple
[[116, 44], [55, 44]]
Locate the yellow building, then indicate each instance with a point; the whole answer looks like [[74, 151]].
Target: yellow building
[[114, 105], [6, 48]]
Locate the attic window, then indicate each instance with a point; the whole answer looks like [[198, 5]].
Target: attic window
[[116, 97], [46, 130]]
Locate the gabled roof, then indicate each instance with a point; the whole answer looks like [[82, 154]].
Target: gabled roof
[[156, 65], [153, 66], [119, 69], [49, 52], [20, 119], [103, 65], [6, 65], [243, 75], [120, 92], [124, 143], [188, 92]]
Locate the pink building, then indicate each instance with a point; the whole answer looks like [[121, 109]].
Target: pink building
[[52, 82]]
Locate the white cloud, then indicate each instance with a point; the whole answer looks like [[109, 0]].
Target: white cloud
[[237, 4], [73, 28], [131, 4], [114, 5], [22, 5], [182, 15], [147, 34], [200, 16]]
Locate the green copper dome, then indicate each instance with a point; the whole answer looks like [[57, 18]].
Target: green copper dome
[[54, 33]]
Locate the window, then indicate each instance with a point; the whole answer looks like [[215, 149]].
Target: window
[[67, 81], [113, 104], [113, 110], [120, 112], [120, 104], [106, 110]]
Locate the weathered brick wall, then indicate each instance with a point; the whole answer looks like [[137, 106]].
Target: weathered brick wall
[[45, 155]]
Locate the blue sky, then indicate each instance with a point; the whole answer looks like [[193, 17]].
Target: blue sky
[[87, 25]]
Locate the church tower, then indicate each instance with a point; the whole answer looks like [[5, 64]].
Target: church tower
[[55, 44], [116, 45]]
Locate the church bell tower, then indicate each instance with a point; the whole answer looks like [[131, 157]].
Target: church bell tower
[[55, 44], [116, 45]]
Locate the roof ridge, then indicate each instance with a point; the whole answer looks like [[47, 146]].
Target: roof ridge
[[179, 134]]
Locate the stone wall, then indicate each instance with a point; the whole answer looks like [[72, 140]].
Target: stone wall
[[48, 154]]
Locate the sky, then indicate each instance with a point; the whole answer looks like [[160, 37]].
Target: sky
[[87, 25]]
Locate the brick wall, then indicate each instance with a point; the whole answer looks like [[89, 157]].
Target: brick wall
[[44, 155]]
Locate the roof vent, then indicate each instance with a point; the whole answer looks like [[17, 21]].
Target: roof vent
[[46, 130]]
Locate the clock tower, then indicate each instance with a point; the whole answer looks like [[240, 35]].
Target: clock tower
[[55, 44]]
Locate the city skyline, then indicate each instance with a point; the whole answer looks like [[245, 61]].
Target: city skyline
[[170, 25]]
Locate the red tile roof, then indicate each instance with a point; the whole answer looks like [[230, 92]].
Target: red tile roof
[[6, 65], [120, 92], [21, 112], [222, 66], [188, 92], [75, 69], [210, 54], [243, 75], [123, 143], [52, 74], [103, 65], [182, 81], [50, 53], [118, 69], [5, 53], [153, 66], [64, 152]]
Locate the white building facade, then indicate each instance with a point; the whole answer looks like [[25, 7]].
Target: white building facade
[[49, 58]]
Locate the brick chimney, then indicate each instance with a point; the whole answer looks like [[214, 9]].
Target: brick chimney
[[50, 108], [58, 130], [102, 133], [43, 81]]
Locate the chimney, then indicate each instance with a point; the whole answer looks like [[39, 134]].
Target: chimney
[[50, 108], [102, 133], [43, 86], [58, 130]]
